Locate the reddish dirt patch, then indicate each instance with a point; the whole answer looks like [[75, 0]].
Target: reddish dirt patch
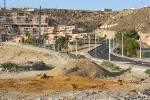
[[45, 84]]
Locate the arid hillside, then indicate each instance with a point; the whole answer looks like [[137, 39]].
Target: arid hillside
[[138, 19], [20, 54], [88, 20]]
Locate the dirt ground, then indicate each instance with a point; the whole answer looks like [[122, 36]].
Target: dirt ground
[[20, 54], [80, 67], [49, 84]]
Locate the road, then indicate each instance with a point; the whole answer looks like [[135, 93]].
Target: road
[[102, 52]]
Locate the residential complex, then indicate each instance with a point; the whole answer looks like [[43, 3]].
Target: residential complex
[[14, 23]]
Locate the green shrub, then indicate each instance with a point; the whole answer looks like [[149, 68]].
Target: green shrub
[[131, 46], [30, 41], [147, 72], [111, 66], [61, 43], [9, 66], [79, 42]]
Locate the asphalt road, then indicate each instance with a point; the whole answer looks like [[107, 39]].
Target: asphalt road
[[102, 52]]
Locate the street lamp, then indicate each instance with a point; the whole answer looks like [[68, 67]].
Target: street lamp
[[140, 47], [114, 42], [89, 42], [76, 48], [140, 26], [109, 49], [95, 45], [109, 46], [122, 44]]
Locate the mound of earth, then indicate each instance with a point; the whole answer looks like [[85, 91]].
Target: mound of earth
[[20, 54], [80, 67]]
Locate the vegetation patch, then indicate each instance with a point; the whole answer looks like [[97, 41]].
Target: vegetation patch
[[111, 66], [10, 67], [131, 45], [148, 72]]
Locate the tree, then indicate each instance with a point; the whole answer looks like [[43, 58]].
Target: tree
[[61, 43], [30, 41], [131, 45], [79, 42]]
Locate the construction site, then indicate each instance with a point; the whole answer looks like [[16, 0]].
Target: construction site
[[82, 63], [66, 78]]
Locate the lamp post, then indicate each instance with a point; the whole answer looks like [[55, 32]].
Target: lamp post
[[89, 42], [113, 41], [109, 49], [140, 26], [95, 45], [122, 44], [140, 48], [109, 46], [76, 48]]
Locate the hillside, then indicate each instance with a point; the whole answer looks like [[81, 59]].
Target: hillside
[[89, 20], [21, 54], [138, 19]]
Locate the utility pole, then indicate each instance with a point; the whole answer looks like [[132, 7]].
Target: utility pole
[[109, 46], [109, 49], [40, 21], [122, 44], [39, 25], [95, 44], [113, 39], [76, 48], [140, 48], [89, 42], [139, 28]]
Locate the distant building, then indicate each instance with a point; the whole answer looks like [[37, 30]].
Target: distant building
[[21, 21], [18, 39], [3, 37], [107, 10]]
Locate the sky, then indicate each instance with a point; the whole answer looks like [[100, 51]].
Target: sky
[[77, 4]]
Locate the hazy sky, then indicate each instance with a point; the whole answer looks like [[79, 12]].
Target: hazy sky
[[77, 4]]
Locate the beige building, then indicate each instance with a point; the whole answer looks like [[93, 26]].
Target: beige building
[[63, 29], [18, 39], [28, 23], [52, 38]]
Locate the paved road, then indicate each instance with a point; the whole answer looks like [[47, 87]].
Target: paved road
[[102, 52]]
